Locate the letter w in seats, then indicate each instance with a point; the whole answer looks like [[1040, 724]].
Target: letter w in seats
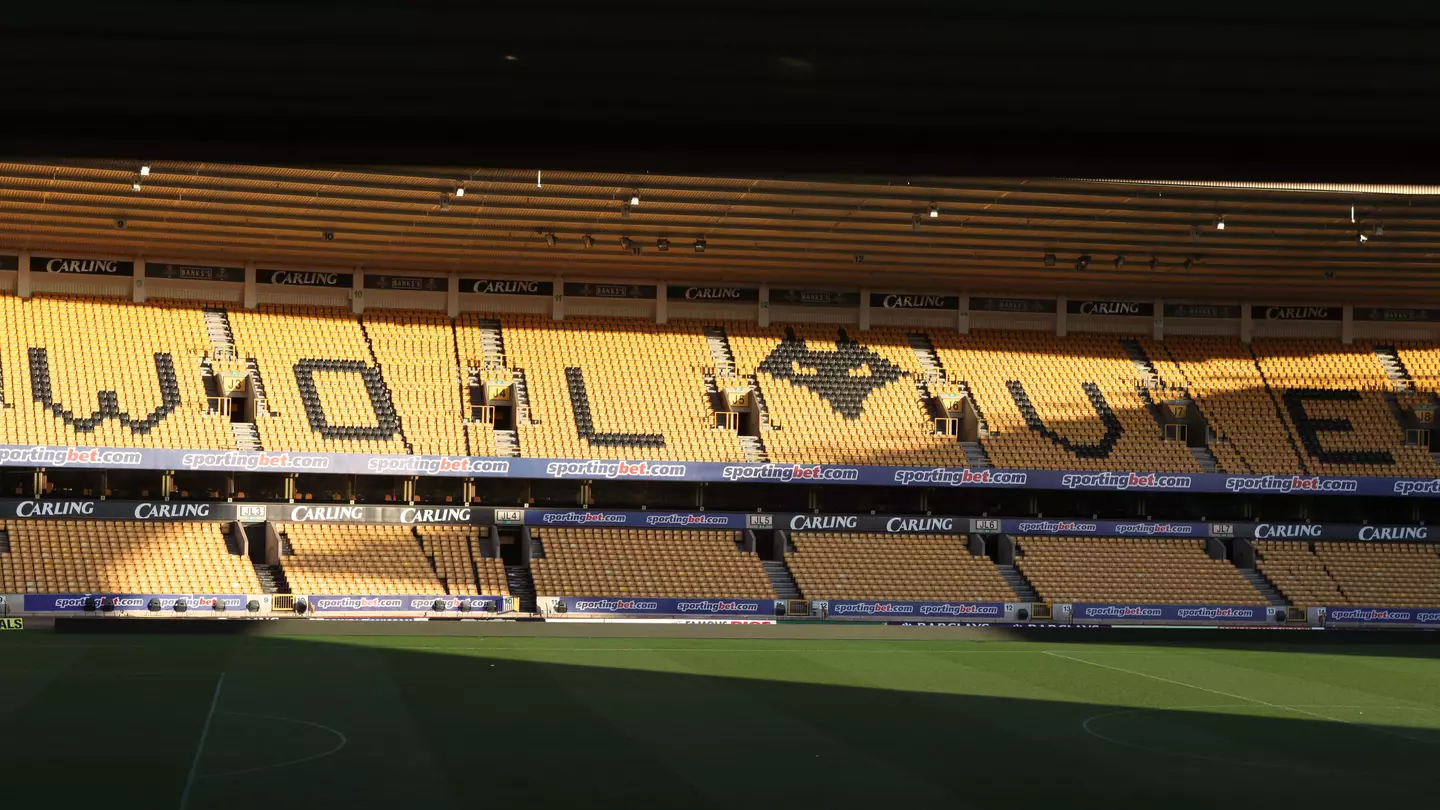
[[109, 400], [585, 423], [1101, 449]]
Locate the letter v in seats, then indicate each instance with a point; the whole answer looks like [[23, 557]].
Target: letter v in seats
[[109, 400], [1101, 449], [585, 423]]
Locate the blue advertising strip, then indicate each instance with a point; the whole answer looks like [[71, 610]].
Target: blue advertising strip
[[1169, 613], [863, 609], [75, 602], [407, 603], [658, 520], [1106, 528], [709, 471], [1364, 615], [655, 606]]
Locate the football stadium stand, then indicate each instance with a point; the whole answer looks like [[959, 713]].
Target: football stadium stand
[[322, 388], [836, 398], [399, 381], [643, 562], [79, 556], [911, 567], [616, 389], [459, 563], [328, 558], [1097, 569], [1060, 403], [100, 371], [1358, 574]]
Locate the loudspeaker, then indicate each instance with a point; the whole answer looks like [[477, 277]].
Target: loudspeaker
[[1022, 614], [438, 606], [181, 606], [88, 605], [491, 607], [219, 605], [465, 606], [561, 608], [154, 605], [301, 606], [106, 605], [253, 606], [779, 608]]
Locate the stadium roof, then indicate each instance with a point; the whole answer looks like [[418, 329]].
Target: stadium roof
[[1281, 241]]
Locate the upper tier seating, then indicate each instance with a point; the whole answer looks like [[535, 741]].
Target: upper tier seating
[[416, 353], [58, 354], [94, 556], [347, 558], [614, 388], [1099, 569], [1321, 386], [607, 388], [905, 567], [849, 400], [642, 562], [1353, 574], [456, 551], [1059, 403], [324, 351]]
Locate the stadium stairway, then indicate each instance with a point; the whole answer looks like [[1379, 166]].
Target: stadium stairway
[[522, 397], [1143, 365], [1263, 585], [246, 437], [222, 339], [4, 541], [1024, 591], [492, 340], [975, 455], [507, 443], [780, 579], [522, 586], [719, 343], [1205, 459], [272, 578], [1394, 368]]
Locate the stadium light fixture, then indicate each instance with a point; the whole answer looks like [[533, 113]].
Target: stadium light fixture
[[144, 171], [587, 240], [1082, 262], [1119, 262], [1361, 238], [662, 244], [1220, 223], [700, 245], [626, 243], [1154, 264], [459, 191], [1189, 262], [634, 198], [135, 186], [934, 210], [1049, 259], [550, 239]]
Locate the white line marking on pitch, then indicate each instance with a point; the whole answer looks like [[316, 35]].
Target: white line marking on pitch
[[1258, 701], [200, 746], [344, 741]]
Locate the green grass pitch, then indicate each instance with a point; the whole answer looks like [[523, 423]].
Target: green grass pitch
[[406, 722]]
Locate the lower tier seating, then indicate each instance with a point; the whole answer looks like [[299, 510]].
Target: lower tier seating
[[905, 567], [1357, 574], [90, 556], [642, 562], [458, 562], [1098, 569], [357, 559]]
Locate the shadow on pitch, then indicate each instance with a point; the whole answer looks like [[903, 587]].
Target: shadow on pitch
[[598, 723]]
